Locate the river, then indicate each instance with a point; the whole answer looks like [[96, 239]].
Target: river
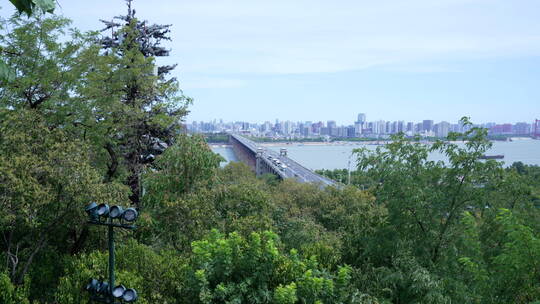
[[337, 155]]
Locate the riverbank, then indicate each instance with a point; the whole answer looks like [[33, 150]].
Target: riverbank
[[362, 143], [334, 155]]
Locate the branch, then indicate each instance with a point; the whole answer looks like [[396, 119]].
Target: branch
[[41, 244]]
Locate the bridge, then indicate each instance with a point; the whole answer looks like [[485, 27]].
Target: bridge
[[267, 161]]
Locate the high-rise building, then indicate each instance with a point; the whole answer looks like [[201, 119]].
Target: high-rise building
[[410, 127], [267, 127], [522, 128], [401, 126], [350, 131], [418, 128], [360, 124], [333, 131], [331, 124], [380, 127], [357, 128], [316, 127], [427, 125], [501, 129], [361, 118], [394, 127], [306, 130], [325, 131], [442, 129]]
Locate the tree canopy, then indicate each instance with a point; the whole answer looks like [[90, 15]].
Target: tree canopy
[[88, 118]]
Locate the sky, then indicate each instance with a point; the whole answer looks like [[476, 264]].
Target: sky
[[300, 60]]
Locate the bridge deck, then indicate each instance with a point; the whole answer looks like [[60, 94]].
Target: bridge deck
[[293, 169]]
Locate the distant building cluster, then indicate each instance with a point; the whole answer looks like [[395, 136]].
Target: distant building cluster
[[361, 128]]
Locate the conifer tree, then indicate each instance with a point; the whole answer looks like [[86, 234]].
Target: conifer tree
[[148, 107]]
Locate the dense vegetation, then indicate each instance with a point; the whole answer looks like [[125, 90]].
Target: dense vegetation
[[217, 138], [80, 123]]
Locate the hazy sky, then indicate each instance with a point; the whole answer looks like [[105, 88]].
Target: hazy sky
[[319, 60]]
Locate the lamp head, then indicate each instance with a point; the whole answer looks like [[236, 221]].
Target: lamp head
[[92, 286], [130, 214], [103, 288], [103, 210], [118, 291], [130, 295], [91, 210], [116, 212]]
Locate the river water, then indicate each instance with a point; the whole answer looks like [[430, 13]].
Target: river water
[[337, 155]]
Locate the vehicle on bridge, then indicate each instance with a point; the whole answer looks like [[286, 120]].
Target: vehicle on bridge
[[267, 161]]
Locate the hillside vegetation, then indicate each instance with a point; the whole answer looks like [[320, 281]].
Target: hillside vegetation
[[83, 122]]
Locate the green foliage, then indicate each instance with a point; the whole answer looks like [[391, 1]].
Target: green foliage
[[29, 7], [46, 71], [178, 222], [511, 273], [339, 175], [154, 276], [285, 294], [234, 269], [217, 138], [425, 199], [7, 72], [182, 168], [11, 294], [45, 182], [80, 124], [406, 281], [129, 109]]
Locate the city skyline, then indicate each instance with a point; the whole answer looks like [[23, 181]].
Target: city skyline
[[362, 127], [352, 121], [316, 59]]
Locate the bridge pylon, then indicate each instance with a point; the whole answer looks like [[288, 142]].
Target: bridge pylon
[[258, 160]]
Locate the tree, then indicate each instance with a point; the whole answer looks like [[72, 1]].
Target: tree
[[44, 94], [229, 201], [12, 294], [233, 269], [156, 275], [183, 168], [46, 180], [505, 271], [139, 110], [425, 199], [29, 7], [46, 70]]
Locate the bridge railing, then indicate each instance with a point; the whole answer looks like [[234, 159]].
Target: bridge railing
[[305, 176]]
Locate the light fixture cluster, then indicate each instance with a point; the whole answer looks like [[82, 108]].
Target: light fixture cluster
[[112, 217], [127, 294], [101, 290], [96, 212]]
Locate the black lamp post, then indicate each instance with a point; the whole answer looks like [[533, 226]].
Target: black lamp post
[[112, 217]]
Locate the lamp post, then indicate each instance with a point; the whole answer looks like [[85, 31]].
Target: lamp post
[[348, 168], [112, 217]]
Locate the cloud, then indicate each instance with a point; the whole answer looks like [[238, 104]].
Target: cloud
[[281, 37], [212, 83], [314, 36]]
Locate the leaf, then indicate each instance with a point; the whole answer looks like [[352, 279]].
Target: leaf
[[23, 6], [28, 6], [45, 5], [6, 72]]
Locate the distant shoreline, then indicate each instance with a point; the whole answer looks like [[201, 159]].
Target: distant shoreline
[[339, 143]]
